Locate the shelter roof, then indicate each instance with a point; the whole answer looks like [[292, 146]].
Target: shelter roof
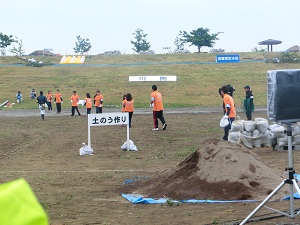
[[270, 42]]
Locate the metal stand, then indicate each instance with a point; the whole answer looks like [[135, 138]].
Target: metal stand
[[290, 181]]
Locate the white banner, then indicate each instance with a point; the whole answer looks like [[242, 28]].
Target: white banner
[[152, 78], [104, 119]]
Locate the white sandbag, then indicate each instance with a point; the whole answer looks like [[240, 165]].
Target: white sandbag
[[296, 130], [132, 147], [262, 125], [266, 135], [237, 125], [266, 142], [247, 133], [255, 133], [282, 141], [277, 131], [233, 136], [257, 142], [243, 140], [259, 119], [249, 125], [85, 150], [296, 140], [247, 140]]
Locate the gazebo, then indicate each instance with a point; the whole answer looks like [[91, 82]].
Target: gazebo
[[270, 42]]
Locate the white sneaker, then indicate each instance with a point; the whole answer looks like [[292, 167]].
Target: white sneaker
[[155, 129], [164, 126]]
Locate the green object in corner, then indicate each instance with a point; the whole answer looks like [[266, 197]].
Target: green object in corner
[[19, 205]]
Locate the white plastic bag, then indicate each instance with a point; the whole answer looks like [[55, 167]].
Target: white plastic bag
[[85, 150], [224, 122], [132, 147]]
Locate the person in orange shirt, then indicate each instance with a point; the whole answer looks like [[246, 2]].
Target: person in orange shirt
[[128, 105], [158, 108], [229, 110], [49, 100], [75, 101], [88, 103], [58, 100], [98, 101]]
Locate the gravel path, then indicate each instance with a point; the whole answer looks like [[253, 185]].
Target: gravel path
[[4, 112]]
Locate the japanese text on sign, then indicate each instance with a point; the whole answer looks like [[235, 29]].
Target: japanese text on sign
[[107, 119], [228, 58], [153, 78]]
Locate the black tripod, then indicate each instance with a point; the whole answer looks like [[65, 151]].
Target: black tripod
[[291, 181]]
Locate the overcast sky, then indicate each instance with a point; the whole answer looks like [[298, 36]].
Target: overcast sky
[[109, 24]]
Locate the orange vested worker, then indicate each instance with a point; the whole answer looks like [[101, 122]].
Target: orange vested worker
[[229, 109], [128, 104], [88, 103], [58, 100], [98, 101], [75, 101], [158, 108], [49, 100]]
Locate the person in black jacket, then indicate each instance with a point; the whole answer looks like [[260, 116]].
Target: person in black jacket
[[248, 102], [42, 101]]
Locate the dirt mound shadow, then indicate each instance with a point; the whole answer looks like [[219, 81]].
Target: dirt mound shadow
[[219, 170]]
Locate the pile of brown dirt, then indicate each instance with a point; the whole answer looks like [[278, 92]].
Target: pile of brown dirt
[[219, 170]]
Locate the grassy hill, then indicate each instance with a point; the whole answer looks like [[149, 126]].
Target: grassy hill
[[198, 78]]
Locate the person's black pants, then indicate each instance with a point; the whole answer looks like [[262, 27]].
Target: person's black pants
[[227, 129], [88, 110], [130, 118], [73, 110], [58, 107], [98, 109], [158, 115], [249, 115], [49, 106]]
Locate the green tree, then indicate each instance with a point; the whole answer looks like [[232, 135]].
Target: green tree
[[18, 50], [178, 43], [5, 41], [82, 45], [199, 38], [141, 43]]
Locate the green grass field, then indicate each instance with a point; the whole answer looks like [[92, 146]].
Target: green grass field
[[196, 85]]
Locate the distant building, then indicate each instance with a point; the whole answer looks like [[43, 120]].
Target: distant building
[[42, 53], [294, 48]]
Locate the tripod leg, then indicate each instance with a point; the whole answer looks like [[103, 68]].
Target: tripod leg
[[263, 202], [297, 189]]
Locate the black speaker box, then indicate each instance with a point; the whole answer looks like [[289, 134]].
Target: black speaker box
[[284, 95]]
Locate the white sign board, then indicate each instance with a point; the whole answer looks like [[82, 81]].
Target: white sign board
[[152, 78], [104, 119]]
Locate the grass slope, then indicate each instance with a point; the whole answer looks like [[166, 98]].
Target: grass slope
[[197, 84]]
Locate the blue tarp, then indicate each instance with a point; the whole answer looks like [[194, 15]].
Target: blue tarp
[[138, 199]]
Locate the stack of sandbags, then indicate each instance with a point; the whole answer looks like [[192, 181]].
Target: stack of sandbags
[[278, 132], [251, 133]]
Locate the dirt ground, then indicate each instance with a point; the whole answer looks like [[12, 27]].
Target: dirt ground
[[76, 189]]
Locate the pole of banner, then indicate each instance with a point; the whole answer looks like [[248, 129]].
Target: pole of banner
[[89, 132], [128, 132]]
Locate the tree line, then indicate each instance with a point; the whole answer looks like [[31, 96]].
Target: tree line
[[199, 38]]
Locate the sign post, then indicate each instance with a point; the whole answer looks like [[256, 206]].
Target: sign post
[[104, 119]]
